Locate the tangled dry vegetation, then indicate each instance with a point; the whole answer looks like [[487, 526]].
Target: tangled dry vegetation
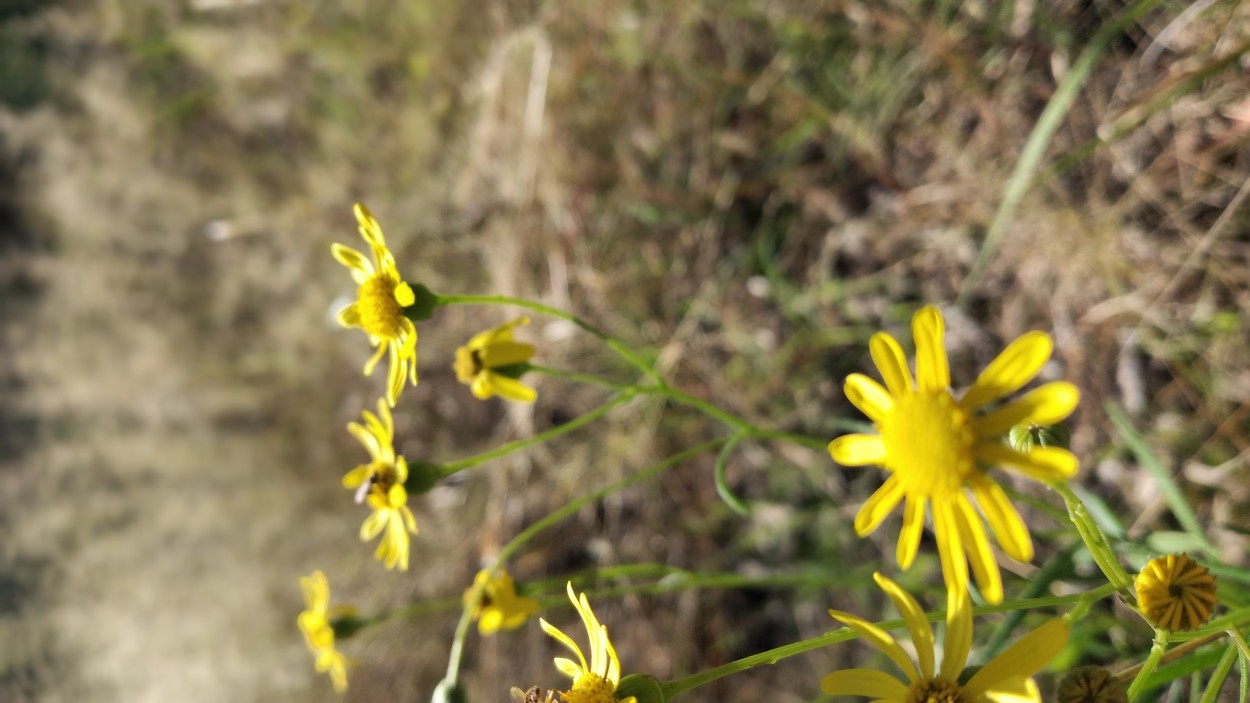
[[748, 189]]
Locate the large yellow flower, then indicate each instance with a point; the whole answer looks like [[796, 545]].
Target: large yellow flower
[[1006, 678], [379, 307], [477, 363], [596, 682], [381, 484], [318, 633], [937, 449], [499, 607]]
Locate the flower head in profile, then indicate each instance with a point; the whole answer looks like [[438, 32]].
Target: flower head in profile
[[937, 448], [482, 363], [318, 633], [1006, 677], [596, 682], [499, 606], [1176, 593], [379, 308], [380, 483], [1091, 684]]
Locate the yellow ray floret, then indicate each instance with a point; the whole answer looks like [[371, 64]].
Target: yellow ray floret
[[595, 682], [479, 362], [381, 298], [936, 448], [1007, 677]]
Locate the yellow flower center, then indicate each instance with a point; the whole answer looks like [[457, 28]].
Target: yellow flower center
[[928, 441], [590, 688], [380, 314], [935, 690], [468, 364]]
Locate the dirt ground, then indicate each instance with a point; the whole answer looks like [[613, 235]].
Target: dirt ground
[[745, 190]]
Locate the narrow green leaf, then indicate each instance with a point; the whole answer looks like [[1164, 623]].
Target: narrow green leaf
[[722, 486]]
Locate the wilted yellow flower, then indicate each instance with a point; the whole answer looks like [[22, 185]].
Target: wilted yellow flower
[[597, 682], [1006, 677], [1092, 684], [479, 362], [499, 607], [381, 484], [318, 634], [1176, 593], [379, 307], [936, 449]]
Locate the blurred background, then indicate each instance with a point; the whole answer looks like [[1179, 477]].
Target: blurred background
[[745, 190]]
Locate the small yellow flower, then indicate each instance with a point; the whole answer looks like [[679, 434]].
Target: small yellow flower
[[500, 608], [318, 634], [1006, 677], [381, 484], [477, 362], [1092, 684], [936, 448], [379, 307], [1176, 593], [597, 682]]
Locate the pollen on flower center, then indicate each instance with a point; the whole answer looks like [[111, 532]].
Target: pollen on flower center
[[591, 688], [929, 443], [380, 314], [935, 690]]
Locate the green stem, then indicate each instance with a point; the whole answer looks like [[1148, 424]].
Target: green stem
[[589, 379], [1216, 682], [1156, 650], [614, 344], [509, 447], [1094, 539]]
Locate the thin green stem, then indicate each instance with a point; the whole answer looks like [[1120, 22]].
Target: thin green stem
[[1094, 539], [1156, 650], [1216, 682], [589, 379], [629, 355], [509, 447]]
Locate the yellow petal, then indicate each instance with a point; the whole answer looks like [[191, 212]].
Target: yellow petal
[[502, 333], [858, 450], [1010, 370], [864, 682], [568, 667], [395, 375], [505, 354], [483, 386], [913, 526], [878, 506], [373, 360], [958, 633], [349, 316], [868, 395], [917, 622], [352, 259], [1022, 659], [513, 389], [933, 373], [890, 361], [950, 551], [1044, 405], [373, 524], [563, 639], [880, 639], [357, 476], [404, 295], [1009, 529], [980, 556], [1014, 691], [369, 227], [490, 622], [1042, 463]]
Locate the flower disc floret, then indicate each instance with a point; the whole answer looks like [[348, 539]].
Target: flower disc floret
[[1176, 593], [937, 448]]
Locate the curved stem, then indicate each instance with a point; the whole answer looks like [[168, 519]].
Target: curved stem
[[614, 344], [1148, 666], [509, 447]]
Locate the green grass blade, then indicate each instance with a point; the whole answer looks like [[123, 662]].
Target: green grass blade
[[1163, 478]]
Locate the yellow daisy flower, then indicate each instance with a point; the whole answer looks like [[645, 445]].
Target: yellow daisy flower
[[318, 633], [380, 483], [1176, 593], [936, 448], [1006, 677], [379, 307], [500, 608], [477, 361], [597, 682]]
